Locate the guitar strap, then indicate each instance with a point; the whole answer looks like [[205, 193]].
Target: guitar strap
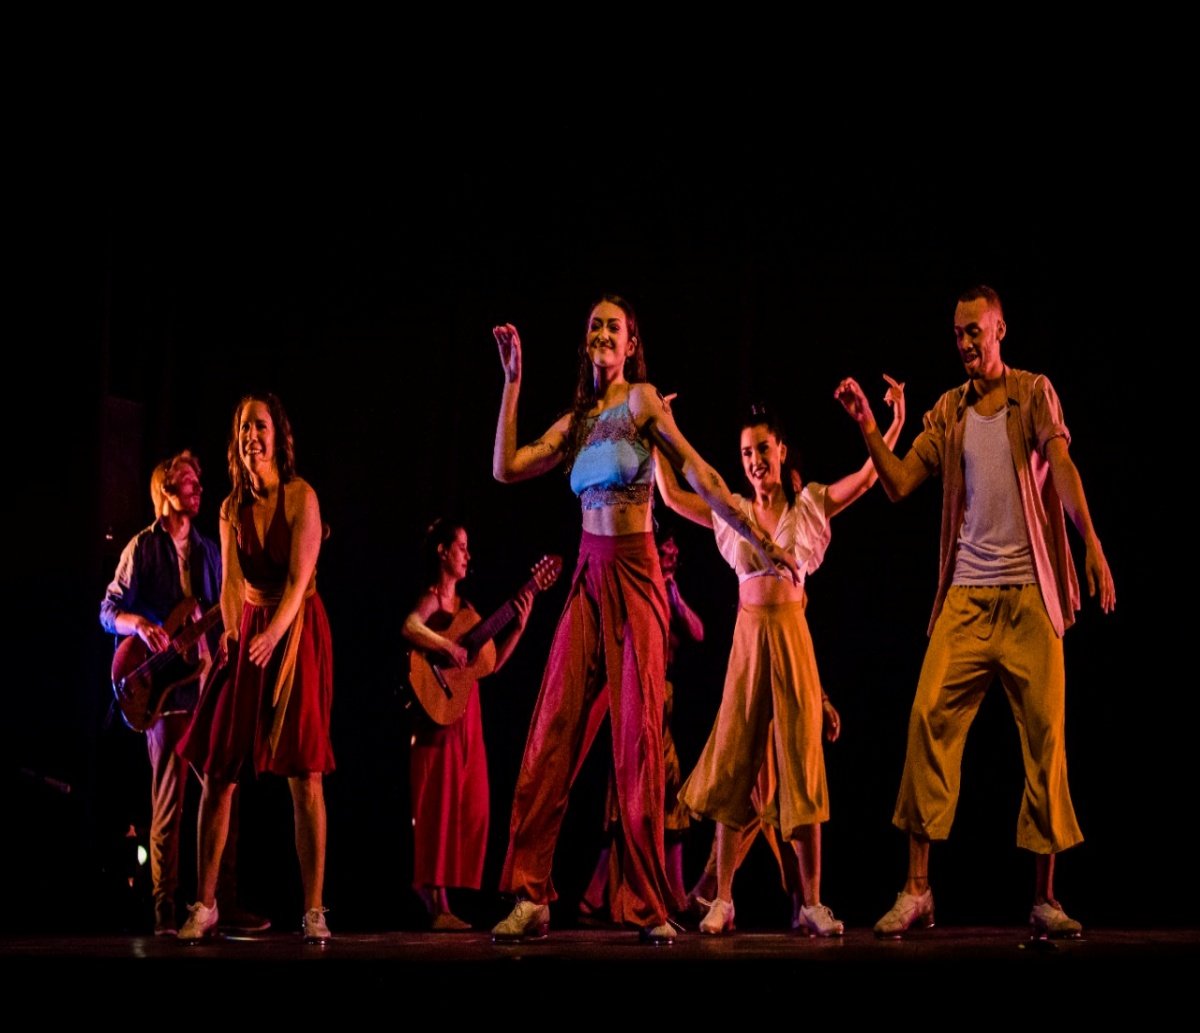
[[287, 665]]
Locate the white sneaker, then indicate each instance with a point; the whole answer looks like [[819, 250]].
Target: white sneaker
[[719, 918], [909, 910], [313, 926], [526, 921], [818, 920], [201, 923], [1049, 919], [657, 934]]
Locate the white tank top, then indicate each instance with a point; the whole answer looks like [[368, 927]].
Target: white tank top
[[993, 544]]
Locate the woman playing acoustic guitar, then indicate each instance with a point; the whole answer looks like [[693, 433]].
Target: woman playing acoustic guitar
[[448, 763]]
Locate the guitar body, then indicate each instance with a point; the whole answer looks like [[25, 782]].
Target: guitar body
[[142, 680], [441, 689]]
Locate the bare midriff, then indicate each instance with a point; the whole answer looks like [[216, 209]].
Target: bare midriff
[[770, 590], [629, 518]]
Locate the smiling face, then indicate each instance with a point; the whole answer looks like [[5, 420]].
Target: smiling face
[[183, 496], [256, 436], [763, 456], [978, 330], [456, 557], [608, 340]]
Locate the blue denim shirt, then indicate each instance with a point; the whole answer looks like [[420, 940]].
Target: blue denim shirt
[[147, 583]]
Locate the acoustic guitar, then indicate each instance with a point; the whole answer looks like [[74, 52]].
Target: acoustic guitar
[[143, 680], [443, 690]]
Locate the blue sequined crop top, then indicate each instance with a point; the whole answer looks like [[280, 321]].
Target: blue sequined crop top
[[613, 466]]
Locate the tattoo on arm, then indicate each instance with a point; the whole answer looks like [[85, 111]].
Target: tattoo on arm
[[753, 535]]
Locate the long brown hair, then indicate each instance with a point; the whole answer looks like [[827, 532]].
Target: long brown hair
[[585, 384], [285, 452]]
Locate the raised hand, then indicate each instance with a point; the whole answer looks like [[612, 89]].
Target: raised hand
[[509, 343], [895, 398], [854, 401]]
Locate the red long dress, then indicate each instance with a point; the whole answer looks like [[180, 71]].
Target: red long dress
[[449, 779]]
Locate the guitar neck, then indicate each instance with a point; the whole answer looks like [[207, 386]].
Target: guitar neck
[[193, 632], [485, 631]]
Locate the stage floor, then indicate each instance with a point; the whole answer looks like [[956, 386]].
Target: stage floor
[[576, 972]]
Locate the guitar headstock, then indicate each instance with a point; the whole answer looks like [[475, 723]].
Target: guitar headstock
[[546, 571]]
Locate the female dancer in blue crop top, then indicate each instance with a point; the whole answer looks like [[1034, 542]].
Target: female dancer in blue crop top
[[772, 707], [608, 650]]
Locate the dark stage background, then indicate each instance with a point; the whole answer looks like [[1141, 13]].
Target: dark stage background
[[364, 295]]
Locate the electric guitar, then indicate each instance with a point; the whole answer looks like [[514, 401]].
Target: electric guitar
[[443, 690], [143, 680]]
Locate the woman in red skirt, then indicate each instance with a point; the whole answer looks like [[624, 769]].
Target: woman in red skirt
[[272, 705], [448, 763]]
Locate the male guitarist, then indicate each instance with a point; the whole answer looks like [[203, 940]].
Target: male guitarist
[[161, 566]]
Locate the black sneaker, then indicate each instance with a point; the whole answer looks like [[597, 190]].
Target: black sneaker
[[238, 920], [165, 923]]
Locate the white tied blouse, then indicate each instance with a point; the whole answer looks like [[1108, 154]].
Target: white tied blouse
[[803, 531]]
